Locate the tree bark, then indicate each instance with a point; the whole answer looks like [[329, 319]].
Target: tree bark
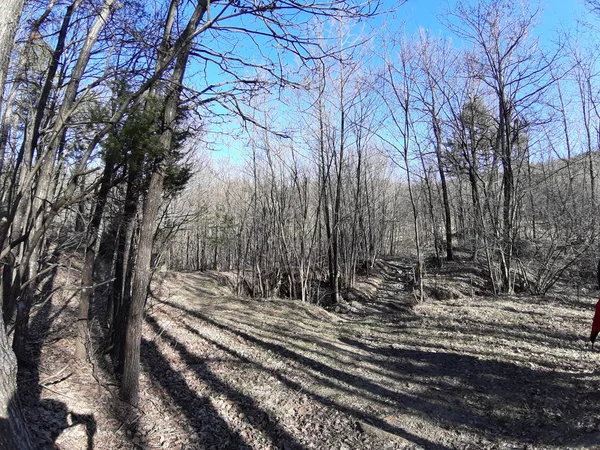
[[121, 294], [88, 266], [143, 271], [14, 433], [141, 281], [10, 13], [445, 196]]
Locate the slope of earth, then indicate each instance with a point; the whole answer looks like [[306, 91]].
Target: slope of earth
[[465, 372]]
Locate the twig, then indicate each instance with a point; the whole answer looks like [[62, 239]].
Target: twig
[[60, 380], [58, 393], [93, 286], [56, 374]]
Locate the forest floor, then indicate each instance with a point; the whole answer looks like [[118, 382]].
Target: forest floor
[[467, 371]]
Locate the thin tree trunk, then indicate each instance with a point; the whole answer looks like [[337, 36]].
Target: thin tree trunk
[[445, 196], [143, 271], [88, 266], [141, 281]]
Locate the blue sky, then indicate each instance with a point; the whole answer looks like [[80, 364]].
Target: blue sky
[[556, 14], [561, 13]]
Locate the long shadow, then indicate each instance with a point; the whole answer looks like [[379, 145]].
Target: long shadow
[[401, 321], [191, 285], [325, 381], [198, 411], [326, 401], [328, 373], [490, 383], [311, 363], [371, 353], [291, 340], [356, 360], [195, 290], [245, 403], [531, 333]]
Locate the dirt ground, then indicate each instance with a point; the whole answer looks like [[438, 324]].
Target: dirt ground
[[465, 372]]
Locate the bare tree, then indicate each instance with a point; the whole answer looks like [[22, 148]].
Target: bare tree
[[280, 26], [509, 62], [400, 103], [434, 63]]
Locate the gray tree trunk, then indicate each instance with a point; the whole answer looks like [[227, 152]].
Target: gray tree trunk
[[142, 271], [141, 281], [10, 13], [14, 433]]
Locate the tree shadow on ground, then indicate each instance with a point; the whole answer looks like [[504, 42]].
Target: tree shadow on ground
[[209, 427], [497, 399], [326, 400], [492, 399], [325, 375]]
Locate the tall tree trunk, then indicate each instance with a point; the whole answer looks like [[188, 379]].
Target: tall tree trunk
[[508, 187], [141, 281], [88, 265], [39, 219], [10, 13], [120, 293], [143, 271], [13, 428], [445, 196], [335, 279]]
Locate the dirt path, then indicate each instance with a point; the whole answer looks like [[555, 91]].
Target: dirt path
[[471, 372]]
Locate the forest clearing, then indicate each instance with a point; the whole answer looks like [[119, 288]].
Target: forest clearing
[[221, 372]]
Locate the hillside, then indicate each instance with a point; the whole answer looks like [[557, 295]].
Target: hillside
[[385, 373]]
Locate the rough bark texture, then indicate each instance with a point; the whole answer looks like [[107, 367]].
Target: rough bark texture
[[121, 294], [10, 13], [143, 270], [141, 280], [13, 429]]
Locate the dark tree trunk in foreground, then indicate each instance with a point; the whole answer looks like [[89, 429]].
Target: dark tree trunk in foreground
[[13, 429], [121, 295], [143, 271], [141, 281]]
